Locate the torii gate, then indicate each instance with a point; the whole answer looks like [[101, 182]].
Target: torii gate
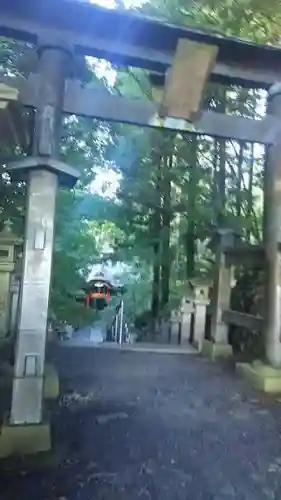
[[61, 30]]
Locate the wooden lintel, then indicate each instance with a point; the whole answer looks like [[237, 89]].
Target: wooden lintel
[[187, 78], [135, 40], [250, 255], [107, 107], [244, 320]]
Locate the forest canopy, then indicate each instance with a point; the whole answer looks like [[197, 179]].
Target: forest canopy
[[164, 192]]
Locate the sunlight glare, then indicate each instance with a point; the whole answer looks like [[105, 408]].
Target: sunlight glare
[[106, 183], [111, 4]]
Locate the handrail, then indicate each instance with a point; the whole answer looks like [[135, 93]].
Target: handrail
[[244, 320], [117, 324]]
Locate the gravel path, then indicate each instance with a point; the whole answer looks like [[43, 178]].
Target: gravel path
[[153, 426]]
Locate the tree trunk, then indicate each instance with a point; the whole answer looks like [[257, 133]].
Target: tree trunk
[[250, 192], [221, 182], [156, 277], [240, 180], [166, 231], [156, 231], [220, 166], [190, 239]]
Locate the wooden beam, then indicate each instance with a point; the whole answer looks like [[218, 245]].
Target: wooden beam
[[135, 40], [249, 255], [107, 107], [244, 320], [186, 79]]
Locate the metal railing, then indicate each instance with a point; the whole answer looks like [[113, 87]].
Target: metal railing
[[117, 325]]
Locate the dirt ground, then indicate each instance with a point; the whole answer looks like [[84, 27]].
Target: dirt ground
[[152, 426]]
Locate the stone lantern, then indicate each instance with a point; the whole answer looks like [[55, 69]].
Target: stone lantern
[[187, 309], [200, 288], [8, 242]]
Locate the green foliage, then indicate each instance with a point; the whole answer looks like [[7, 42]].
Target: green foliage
[[253, 20], [218, 182], [174, 189]]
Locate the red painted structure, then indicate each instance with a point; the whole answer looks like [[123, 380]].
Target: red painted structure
[[99, 292]]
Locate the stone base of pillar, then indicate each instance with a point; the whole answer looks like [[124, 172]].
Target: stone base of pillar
[[216, 350], [196, 345], [52, 336], [24, 439], [51, 382], [260, 376]]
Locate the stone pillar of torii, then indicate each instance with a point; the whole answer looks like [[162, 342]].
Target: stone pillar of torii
[[43, 173]]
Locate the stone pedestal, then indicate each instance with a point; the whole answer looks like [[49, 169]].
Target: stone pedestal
[[262, 377], [216, 345], [214, 350], [24, 439], [200, 291], [187, 309], [199, 324]]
